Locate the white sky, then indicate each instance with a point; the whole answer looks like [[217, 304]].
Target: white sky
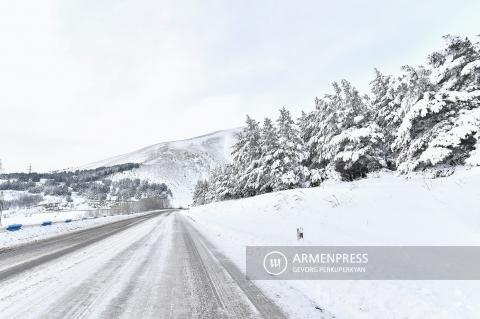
[[82, 80]]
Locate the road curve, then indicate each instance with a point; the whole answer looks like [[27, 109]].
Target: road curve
[[155, 266]]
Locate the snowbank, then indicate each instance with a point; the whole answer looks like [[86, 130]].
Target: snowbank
[[382, 210]]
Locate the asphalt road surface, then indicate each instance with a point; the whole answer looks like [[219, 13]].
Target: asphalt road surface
[[153, 266]]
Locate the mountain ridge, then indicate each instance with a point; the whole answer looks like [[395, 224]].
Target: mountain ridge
[[179, 164]]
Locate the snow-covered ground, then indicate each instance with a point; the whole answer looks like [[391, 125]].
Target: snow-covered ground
[[380, 210], [34, 232], [28, 214], [179, 164]]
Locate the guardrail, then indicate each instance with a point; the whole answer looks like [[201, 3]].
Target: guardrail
[[14, 227], [124, 208]]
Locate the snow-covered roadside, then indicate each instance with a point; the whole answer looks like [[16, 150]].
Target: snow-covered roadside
[[40, 217], [34, 233], [387, 210]]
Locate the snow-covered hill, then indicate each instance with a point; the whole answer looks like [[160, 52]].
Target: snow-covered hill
[[179, 164]]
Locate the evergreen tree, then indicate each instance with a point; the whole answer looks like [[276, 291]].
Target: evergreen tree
[[222, 184], [345, 138], [246, 154], [359, 150], [441, 129], [393, 97], [200, 193], [269, 143], [306, 129], [287, 169]]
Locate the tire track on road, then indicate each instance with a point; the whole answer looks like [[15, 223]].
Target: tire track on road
[[84, 300], [42, 252], [230, 282]]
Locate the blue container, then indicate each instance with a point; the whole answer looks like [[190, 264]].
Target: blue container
[[68, 220], [47, 223], [14, 227]]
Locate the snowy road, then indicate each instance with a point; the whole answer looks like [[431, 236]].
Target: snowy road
[[154, 266]]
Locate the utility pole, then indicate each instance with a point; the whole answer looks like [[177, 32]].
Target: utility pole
[[30, 169]]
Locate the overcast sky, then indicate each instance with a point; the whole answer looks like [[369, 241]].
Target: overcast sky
[[88, 79]]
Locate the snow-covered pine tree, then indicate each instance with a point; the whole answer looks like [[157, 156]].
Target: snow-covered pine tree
[[309, 133], [360, 149], [200, 193], [345, 138], [306, 126], [320, 128], [286, 161], [384, 112], [222, 184], [269, 142], [441, 129], [246, 155], [392, 98]]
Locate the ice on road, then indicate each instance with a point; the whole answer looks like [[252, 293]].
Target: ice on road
[[156, 266]]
